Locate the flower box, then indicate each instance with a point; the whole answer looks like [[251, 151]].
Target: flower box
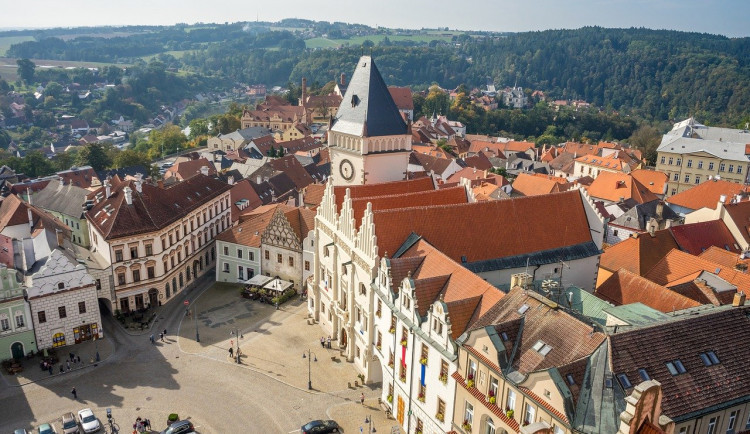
[[392, 330], [443, 378], [402, 378], [404, 342], [509, 413], [466, 426], [423, 361], [421, 397], [492, 400], [389, 398], [440, 417], [470, 383]]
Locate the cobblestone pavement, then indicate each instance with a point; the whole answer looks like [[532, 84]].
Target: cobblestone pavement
[[266, 393]]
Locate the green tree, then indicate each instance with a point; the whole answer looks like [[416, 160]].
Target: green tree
[[166, 140], [35, 164], [64, 161], [53, 89], [94, 155], [131, 157], [26, 70], [198, 127]]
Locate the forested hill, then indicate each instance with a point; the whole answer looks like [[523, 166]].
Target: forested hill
[[655, 74]]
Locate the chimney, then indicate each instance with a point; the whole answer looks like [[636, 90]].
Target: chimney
[[204, 170], [739, 299], [139, 182], [59, 235], [722, 199], [343, 79], [31, 219], [128, 195], [107, 189], [230, 180], [660, 210], [304, 91], [258, 180], [160, 183]]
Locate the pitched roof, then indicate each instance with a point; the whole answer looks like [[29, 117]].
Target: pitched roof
[[678, 266], [723, 257], [444, 196], [302, 220], [14, 212], [638, 216], [152, 209], [384, 189], [522, 224], [79, 176], [243, 191], [740, 214], [430, 163], [568, 338], [186, 169], [651, 179], [293, 168], [478, 161], [367, 109], [707, 194], [625, 287], [700, 388], [638, 254], [614, 187], [314, 194], [436, 276], [694, 238], [402, 97], [532, 185], [249, 231], [66, 199]]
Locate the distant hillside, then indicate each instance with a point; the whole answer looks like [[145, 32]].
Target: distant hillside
[[655, 74]]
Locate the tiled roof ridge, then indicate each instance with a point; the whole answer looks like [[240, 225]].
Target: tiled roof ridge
[[696, 312]]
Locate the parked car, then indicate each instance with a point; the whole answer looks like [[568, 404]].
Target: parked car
[[69, 424], [46, 428], [179, 427], [88, 421], [320, 427], [20, 431]]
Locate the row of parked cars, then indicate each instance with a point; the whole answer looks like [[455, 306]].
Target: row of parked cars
[[85, 423]]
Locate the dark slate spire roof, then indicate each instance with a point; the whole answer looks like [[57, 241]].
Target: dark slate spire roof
[[367, 108]]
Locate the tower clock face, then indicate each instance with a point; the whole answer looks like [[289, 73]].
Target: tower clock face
[[346, 169]]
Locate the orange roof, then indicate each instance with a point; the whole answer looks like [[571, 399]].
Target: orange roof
[[249, 231], [706, 194], [638, 254], [679, 267], [533, 185], [514, 146], [651, 179], [468, 173], [243, 190], [186, 169], [402, 97], [431, 150], [525, 224], [384, 189], [740, 215], [608, 162], [444, 196], [723, 257], [625, 287], [614, 187], [314, 194]]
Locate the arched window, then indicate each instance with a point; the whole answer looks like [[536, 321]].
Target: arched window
[[181, 282], [167, 289], [490, 426]]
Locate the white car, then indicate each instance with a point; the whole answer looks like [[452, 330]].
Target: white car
[[88, 421]]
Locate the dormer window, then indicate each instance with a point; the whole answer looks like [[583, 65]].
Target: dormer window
[[643, 374]]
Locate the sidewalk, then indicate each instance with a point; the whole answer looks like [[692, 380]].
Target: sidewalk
[[351, 417], [32, 373]]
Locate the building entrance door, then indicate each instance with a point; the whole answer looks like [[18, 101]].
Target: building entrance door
[[17, 350], [343, 339], [139, 301], [400, 411], [82, 333], [153, 297]]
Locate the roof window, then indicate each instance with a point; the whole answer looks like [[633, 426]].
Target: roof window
[[542, 348], [709, 358], [643, 374], [522, 310], [624, 381], [571, 380], [676, 367], [504, 336]]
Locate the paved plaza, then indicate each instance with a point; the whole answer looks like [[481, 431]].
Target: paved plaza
[[267, 392]]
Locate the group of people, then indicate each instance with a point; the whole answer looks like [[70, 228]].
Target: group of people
[[75, 360], [141, 425], [161, 336], [325, 343]]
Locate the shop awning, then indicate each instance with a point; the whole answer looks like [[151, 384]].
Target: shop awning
[[278, 285], [258, 280]]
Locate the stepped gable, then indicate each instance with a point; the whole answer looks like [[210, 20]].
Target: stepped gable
[[625, 287], [491, 229], [152, 209], [467, 296], [368, 110], [384, 189], [444, 196]]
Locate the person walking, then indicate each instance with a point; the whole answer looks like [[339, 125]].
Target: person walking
[[231, 352], [67, 363], [161, 336], [362, 398], [151, 338], [75, 393], [50, 369], [329, 342], [78, 359], [322, 342], [165, 332]]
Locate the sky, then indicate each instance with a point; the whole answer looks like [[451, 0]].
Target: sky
[[725, 17]]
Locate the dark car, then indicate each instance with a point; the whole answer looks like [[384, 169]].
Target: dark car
[[179, 427], [320, 427]]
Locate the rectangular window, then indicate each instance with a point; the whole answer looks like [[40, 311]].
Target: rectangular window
[[472, 372], [252, 256], [712, 425], [710, 165], [739, 170], [510, 403], [81, 307], [683, 430], [279, 258], [687, 178], [469, 413], [307, 265], [722, 166], [425, 353], [150, 272], [493, 387], [689, 163], [530, 413], [226, 267], [671, 160], [4, 324], [663, 159], [267, 255], [149, 250], [120, 278], [240, 272], [118, 255], [731, 168], [226, 251], [732, 420], [674, 191], [61, 312], [679, 161], [700, 164], [697, 179], [676, 177], [43, 318], [19, 321], [291, 261], [136, 275], [164, 244], [134, 252], [239, 253], [378, 311]]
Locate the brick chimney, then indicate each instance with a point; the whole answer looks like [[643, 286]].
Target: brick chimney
[[343, 81], [204, 170], [739, 299], [230, 180]]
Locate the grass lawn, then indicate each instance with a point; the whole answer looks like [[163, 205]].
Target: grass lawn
[[9, 68], [7, 41]]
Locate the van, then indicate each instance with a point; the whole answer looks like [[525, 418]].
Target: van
[[69, 424]]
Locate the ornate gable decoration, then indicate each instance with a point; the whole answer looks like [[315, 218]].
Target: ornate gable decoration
[[279, 233]]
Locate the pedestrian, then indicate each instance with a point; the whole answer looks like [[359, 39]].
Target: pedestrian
[[61, 369], [147, 424], [322, 342], [71, 356], [67, 362], [165, 332], [151, 338], [329, 342], [78, 359], [50, 369], [231, 352], [74, 392], [362, 398], [161, 336]]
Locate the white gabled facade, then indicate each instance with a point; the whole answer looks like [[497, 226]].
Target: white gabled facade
[[417, 377]]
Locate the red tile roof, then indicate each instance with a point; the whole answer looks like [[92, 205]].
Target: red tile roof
[[638, 254], [694, 238], [186, 169], [402, 97], [314, 194], [446, 196], [614, 187], [80, 177], [533, 185], [239, 191], [290, 165], [707, 194], [384, 189], [740, 215], [723, 257], [522, 223], [478, 161], [678, 267], [625, 287], [651, 179], [14, 212], [249, 231]]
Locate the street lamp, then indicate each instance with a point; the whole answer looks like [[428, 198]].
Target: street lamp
[[369, 421], [236, 333], [308, 357]]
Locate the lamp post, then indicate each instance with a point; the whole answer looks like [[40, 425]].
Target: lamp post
[[309, 356], [369, 422], [236, 333]]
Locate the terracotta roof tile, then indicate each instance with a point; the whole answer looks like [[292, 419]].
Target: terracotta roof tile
[[314, 194], [614, 187], [694, 238], [651, 179], [383, 189], [402, 97], [677, 265], [625, 287], [478, 161], [294, 169], [249, 232], [187, 169], [740, 215], [638, 254], [723, 257], [532, 185], [707, 194], [446, 196], [517, 221], [242, 190]]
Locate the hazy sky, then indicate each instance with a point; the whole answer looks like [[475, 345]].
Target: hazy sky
[[726, 17]]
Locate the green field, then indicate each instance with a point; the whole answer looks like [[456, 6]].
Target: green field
[[176, 53], [358, 40], [7, 41], [9, 68]]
